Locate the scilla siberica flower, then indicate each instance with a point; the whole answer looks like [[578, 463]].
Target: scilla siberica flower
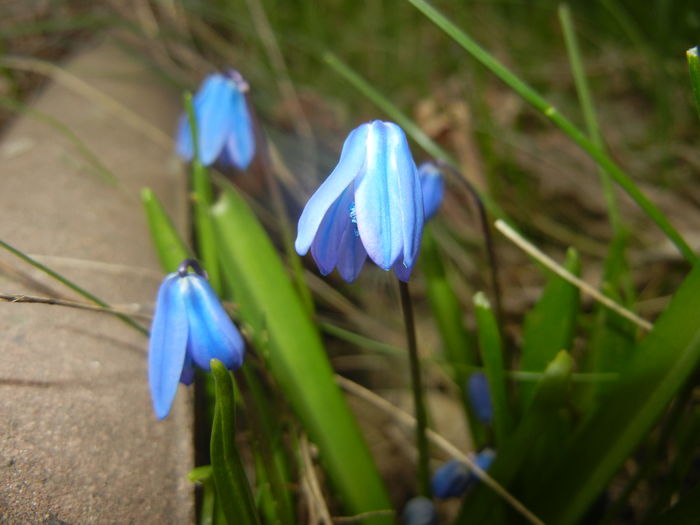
[[453, 478], [480, 396], [432, 186], [224, 125], [370, 205], [190, 327]]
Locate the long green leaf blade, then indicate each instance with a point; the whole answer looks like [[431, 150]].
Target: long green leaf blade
[[170, 247]]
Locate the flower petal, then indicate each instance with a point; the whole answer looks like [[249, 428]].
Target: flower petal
[[349, 166], [402, 272], [376, 200], [432, 186], [212, 334], [213, 106], [187, 376], [329, 236], [183, 144], [351, 255], [240, 144], [167, 345]]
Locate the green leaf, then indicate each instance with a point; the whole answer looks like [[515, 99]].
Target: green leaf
[[295, 354], [694, 69], [661, 365], [491, 348], [549, 326], [232, 487], [170, 247]]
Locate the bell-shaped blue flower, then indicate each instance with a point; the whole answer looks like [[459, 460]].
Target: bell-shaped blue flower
[[370, 205], [419, 511], [190, 327], [453, 478], [433, 187], [480, 396], [224, 125]]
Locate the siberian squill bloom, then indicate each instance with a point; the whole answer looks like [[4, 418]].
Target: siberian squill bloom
[[190, 327], [224, 125], [433, 187], [370, 205], [419, 511], [453, 478], [480, 396]]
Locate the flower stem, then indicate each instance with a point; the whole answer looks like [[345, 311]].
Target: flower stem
[[417, 387]]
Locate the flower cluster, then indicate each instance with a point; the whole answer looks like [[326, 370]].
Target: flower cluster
[[453, 478], [190, 327], [224, 125]]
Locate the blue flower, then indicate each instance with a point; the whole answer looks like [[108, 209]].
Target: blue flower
[[190, 327], [480, 396], [419, 511], [433, 187], [224, 124], [370, 205], [453, 478]]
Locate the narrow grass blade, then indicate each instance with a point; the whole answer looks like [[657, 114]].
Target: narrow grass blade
[[549, 326], [694, 68], [563, 123], [232, 487], [170, 247], [491, 348], [661, 365], [294, 354]]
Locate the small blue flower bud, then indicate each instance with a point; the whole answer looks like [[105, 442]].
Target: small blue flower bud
[[419, 511], [453, 478], [480, 396], [370, 205], [224, 125], [190, 327], [433, 187]]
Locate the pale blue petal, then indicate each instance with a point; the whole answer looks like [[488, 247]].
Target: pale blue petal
[[240, 144], [352, 159], [406, 195], [377, 207], [351, 255], [327, 241], [184, 138], [213, 107], [167, 345], [212, 334], [433, 188], [187, 376]]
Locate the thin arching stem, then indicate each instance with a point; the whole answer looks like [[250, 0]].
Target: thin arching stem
[[418, 397], [486, 232]]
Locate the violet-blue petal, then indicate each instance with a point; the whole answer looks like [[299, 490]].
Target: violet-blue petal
[[213, 110], [402, 272], [378, 222], [352, 159], [480, 396], [212, 334], [330, 232], [405, 191], [451, 479], [351, 255], [167, 345], [240, 145], [202, 98], [187, 376], [433, 188]]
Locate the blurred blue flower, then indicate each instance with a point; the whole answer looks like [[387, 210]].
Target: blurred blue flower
[[480, 396], [190, 327], [371, 204], [419, 511], [433, 187], [453, 478], [224, 125]]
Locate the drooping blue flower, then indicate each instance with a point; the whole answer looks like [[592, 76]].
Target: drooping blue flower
[[224, 125], [370, 205], [480, 396], [190, 327], [453, 478], [419, 511], [433, 187]]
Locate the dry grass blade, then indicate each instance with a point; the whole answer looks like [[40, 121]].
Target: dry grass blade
[[317, 503], [21, 298]]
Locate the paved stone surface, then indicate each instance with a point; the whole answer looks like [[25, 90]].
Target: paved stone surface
[[78, 441]]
